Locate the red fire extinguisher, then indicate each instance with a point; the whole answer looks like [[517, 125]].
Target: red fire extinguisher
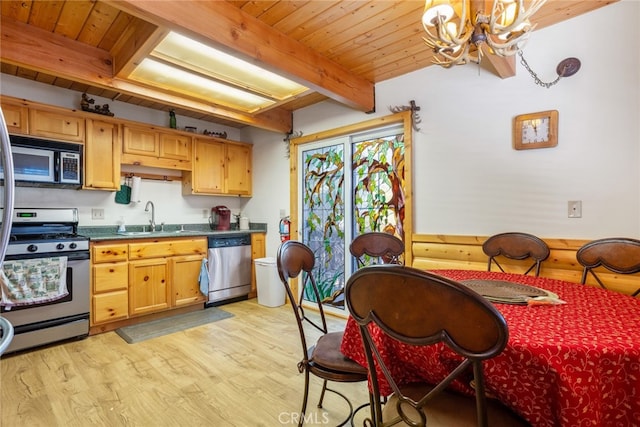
[[284, 229]]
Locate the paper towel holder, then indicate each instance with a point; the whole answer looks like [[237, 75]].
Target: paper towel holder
[[151, 176]]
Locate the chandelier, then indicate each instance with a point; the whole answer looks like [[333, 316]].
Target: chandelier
[[459, 30]]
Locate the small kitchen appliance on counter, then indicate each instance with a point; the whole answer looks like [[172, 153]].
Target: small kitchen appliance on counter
[[220, 218]]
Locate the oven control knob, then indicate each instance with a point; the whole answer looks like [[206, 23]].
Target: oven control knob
[[73, 246], [32, 248], [60, 246]]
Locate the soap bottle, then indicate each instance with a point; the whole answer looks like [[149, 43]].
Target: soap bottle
[[121, 227]]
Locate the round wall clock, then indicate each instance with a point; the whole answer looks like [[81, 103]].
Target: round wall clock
[[535, 130]]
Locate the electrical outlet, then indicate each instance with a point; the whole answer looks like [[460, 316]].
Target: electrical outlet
[[283, 213], [574, 208], [97, 213], [205, 213]]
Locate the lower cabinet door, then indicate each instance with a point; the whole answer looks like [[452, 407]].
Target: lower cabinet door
[[149, 289], [185, 272]]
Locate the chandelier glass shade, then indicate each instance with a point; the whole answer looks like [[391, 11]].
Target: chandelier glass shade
[[459, 30]]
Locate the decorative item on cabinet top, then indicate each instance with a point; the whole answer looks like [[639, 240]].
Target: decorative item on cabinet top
[[86, 105], [222, 135]]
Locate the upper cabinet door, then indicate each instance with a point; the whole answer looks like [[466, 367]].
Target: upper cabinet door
[[56, 125], [175, 146], [102, 156], [139, 140], [208, 168], [16, 118], [238, 165]]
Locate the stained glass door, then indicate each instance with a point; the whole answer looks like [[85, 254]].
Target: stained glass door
[[349, 186]]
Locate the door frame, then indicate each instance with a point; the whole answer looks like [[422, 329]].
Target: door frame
[[403, 118]]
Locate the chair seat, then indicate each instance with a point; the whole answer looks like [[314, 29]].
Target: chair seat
[[450, 409], [327, 354]]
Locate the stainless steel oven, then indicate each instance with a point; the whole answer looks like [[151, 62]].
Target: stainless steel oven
[[40, 234]]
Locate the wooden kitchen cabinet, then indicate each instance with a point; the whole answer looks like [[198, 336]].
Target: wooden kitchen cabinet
[[16, 117], [137, 277], [56, 125], [175, 146], [148, 146], [219, 168], [149, 290], [110, 283], [207, 174], [164, 274], [102, 156], [184, 273], [141, 141], [238, 169], [258, 250], [110, 293]]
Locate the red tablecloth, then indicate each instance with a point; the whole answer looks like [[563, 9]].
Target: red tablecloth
[[570, 365]]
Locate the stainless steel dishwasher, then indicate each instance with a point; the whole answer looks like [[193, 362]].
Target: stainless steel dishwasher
[[229, 268]]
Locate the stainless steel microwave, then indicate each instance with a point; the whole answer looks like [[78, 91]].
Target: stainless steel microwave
[[46, 162]]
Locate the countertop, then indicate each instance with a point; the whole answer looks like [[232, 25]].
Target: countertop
[[169, 230]]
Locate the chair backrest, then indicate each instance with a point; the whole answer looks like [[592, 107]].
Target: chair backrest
[[295, 259], [518, 246], [420, 309], [384, 247], [617, 254]]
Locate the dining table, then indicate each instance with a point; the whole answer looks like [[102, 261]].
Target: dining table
[[573, 364]]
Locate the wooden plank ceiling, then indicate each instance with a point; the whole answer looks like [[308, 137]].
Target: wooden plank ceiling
[[339, 49]]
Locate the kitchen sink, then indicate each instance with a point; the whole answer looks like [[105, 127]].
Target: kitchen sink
[[159, 233], [134, 233]]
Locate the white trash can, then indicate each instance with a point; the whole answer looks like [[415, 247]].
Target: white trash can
[[270, 289]]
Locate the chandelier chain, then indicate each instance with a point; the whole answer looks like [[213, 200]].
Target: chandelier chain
[[534, 75]]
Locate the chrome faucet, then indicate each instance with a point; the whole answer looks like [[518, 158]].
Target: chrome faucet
[[152, 221]]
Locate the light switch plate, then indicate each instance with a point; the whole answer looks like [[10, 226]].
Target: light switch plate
[[574, 208], [97, 213]]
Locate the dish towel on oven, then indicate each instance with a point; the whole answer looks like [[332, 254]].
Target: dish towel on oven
[[33, 281], [204, 277]]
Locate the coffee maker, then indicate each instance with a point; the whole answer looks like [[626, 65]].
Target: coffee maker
[[220, 218]]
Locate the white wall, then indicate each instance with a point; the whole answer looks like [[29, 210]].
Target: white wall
[[171, 206], [467, 177]]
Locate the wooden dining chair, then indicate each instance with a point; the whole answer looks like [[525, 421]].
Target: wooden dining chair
[[418, 308], [323, 357], [616, 254], [516, 246], [376, 247]]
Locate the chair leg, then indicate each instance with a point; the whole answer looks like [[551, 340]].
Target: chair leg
[[304, 398], [324, 388]]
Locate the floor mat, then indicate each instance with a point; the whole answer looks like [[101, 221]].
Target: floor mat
[[156, 328]]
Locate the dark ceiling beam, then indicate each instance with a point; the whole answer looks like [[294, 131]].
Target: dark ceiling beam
[[222, 25], [42, 51]]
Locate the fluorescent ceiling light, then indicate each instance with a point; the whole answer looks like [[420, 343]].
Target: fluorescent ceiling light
[[181, 65], [174, 79]]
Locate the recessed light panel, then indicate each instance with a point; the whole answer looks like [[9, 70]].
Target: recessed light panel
[[188, 67]]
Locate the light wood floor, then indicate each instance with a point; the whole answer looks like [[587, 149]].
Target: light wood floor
[[239, 371]]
